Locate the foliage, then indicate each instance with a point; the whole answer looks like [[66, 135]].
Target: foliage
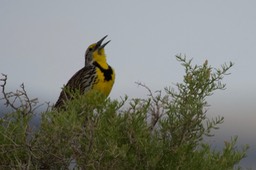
[[164, 131]]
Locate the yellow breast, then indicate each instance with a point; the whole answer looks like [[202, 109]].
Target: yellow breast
[[104, 81]]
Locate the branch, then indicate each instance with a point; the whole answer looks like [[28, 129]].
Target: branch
[[25, 104], [7, 95]]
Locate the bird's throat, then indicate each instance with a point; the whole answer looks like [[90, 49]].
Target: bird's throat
[[106, 70]]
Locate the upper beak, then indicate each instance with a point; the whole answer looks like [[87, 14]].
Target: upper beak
[[98, 44]]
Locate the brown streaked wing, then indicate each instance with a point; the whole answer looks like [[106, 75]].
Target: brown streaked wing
[[82, 80]]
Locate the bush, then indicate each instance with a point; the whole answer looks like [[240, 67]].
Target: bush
[[164, 131]]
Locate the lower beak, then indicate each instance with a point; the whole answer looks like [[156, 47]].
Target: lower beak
[[103, 45]]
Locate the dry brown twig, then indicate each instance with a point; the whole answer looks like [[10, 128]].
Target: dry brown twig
[[18, 100]]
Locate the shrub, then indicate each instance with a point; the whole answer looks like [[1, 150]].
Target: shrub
[[163, 131]]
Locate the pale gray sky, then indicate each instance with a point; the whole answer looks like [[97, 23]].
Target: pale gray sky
[[42, 44]]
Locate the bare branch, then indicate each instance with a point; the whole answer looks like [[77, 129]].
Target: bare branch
[[18, 100], [7, 95]]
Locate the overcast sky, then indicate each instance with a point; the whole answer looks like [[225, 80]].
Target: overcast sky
[[42, 43]]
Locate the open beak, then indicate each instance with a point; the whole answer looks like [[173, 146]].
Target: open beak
[[103, 45], [98, 44]]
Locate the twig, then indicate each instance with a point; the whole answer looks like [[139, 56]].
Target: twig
[[26, 105], [7, 95]]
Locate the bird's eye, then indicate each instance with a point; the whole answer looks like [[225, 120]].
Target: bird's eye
[[90, 49]]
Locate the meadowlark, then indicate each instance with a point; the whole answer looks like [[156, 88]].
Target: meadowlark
[[95, 75]]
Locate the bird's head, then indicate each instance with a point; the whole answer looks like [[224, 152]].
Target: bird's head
[[96, 52]]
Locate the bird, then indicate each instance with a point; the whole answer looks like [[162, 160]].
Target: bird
[[96, 75]]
